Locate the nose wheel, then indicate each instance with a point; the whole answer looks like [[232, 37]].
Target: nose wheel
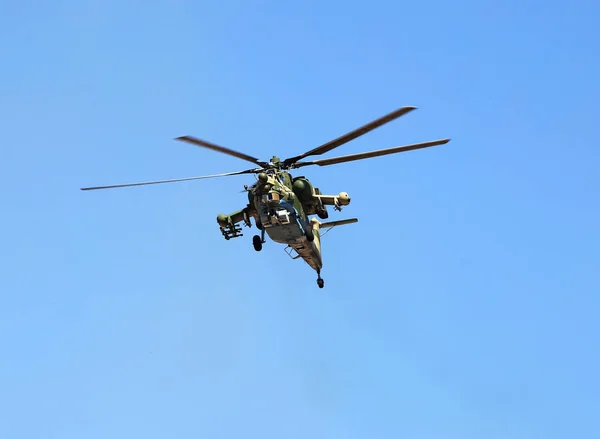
[[320, 281]]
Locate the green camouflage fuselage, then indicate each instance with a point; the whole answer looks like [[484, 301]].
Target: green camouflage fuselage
[[281, 205]]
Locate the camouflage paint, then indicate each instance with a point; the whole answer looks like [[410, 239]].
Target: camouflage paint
[[280, 184]]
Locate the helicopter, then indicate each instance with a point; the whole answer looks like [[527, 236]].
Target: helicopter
[[281, 204]]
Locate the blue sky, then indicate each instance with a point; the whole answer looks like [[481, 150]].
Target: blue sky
[[463, 304]]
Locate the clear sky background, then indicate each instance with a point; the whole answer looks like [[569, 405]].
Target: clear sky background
[[463, 304]]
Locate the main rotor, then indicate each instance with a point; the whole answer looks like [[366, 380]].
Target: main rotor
[[296, 162]]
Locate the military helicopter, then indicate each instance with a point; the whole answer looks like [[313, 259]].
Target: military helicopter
[[281, 204]]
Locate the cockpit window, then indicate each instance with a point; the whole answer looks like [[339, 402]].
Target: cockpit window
[[272, 196]]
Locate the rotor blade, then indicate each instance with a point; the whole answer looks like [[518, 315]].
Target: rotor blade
[[353, 134], [248, 171], [366, 155], [205, 144]]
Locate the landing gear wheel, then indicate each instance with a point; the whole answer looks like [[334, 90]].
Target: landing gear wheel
[[320, 281], [257, 243], [309, 234]]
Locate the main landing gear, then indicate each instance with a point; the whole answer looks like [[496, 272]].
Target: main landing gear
[[320, 281], [258, 241]]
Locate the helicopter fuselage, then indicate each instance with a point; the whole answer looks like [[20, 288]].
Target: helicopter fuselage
[[282, 221], [278, 209], [281, 205]]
